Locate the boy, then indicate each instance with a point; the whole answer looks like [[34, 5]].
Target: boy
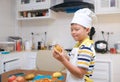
[[80, 63]]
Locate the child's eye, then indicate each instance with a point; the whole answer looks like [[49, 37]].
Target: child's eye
[[77, 29]]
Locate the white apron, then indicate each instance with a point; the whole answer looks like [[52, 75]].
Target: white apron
[[73, 59]]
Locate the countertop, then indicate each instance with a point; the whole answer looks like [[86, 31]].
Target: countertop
[[5, 75]]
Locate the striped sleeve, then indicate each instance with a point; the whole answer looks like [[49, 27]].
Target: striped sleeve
[[84, 57]]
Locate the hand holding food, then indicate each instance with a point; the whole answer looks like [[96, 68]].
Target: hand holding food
[[58, 48]]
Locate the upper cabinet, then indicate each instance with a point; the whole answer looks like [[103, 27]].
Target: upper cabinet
[[107, 6], [34, 9]]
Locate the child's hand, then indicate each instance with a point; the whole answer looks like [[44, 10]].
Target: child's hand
[[58, 48], [58, 53]]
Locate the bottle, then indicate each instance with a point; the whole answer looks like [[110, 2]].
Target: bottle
[[39, 46], [28, 45], [18, 45]]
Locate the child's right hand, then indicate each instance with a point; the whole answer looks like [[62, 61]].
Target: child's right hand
[[58, 53]]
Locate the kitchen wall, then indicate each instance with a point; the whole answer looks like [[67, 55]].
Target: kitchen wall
[[7, 19], [108, 23], [58, 30]]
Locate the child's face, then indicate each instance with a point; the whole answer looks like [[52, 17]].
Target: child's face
[[78, 32]]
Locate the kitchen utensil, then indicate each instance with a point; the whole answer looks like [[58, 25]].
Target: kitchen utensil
[[101, 46]]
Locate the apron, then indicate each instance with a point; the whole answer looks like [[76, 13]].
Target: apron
[[73, 59]]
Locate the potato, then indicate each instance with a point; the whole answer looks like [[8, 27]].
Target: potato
[[57, 74], [58, 48], [29, 76]]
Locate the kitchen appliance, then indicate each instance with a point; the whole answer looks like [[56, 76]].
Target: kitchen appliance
[[101, 46], [14, 38], [70, 6], [17, 40]]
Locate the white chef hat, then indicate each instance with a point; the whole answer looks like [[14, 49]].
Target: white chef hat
[[83, 17]]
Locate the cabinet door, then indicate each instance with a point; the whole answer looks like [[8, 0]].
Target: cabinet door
[[1, 67], [34, 9], [102, 71], [25, 5], [10, 62], [42, 4], [107, 6], [29, 60]]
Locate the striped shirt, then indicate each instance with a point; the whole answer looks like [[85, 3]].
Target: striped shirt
[[86, 55]]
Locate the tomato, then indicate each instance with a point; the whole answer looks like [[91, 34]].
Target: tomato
[[12, 78]]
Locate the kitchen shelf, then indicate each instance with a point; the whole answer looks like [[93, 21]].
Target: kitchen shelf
[[36, 14], [34, 9]]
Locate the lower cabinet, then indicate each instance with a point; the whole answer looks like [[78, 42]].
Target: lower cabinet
[[17, 60], [102, 71], [9, 62], [107, 66], [28, 60]]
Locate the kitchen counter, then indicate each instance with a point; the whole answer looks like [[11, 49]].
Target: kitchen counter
[[6, 74], [51, 64]]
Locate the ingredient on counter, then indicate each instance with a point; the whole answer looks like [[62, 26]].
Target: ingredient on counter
[[48, 80], [57, 74], [14, 78], [29, 76], [20, 79], [43, 80], [58, 48], [55, 77]]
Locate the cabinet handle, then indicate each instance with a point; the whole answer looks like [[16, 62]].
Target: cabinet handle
[[8, 62]]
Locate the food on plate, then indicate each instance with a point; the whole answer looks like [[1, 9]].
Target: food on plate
[[44, 80], [11, 78], [29, 76], [20, 79], [58, 48], [57, 74], [14, 78]]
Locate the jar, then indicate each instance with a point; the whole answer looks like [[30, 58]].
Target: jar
[[28, 45]]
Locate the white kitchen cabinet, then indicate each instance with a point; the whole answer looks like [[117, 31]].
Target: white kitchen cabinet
[[18, 60], [34, 9], [29, 60], [9, 62], [107, 68], [107, 6], [1, 64], [102, 71]]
